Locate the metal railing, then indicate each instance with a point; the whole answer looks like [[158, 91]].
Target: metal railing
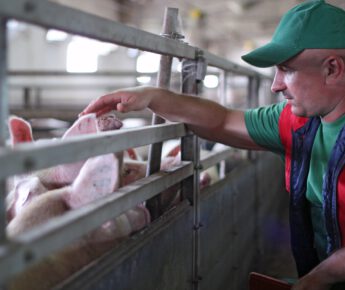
[[38, 243]]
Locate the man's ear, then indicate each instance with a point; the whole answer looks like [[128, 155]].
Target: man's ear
[[334, 68]]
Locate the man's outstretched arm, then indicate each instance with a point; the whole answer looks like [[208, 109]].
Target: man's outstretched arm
[[206, 118]]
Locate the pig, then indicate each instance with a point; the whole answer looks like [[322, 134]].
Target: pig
[[207, 177], [27, 186], [98, 177], [133, 170]]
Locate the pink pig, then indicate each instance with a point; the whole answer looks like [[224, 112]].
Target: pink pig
[[27, 186], [34, 204], [98, 177]]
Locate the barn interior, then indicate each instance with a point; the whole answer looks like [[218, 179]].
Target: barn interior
[[57, 56]]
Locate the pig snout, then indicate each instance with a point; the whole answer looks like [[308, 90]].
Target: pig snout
[[22, 194], [108, 121]]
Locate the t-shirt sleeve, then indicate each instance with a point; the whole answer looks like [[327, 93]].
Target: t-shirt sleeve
[[262, 125]]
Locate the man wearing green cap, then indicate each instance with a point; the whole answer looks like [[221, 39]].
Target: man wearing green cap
[[308, 52]]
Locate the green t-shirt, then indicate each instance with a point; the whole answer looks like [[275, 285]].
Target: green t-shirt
[[262, 125]]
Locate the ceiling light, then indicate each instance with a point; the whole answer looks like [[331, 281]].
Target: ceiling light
[[211, 81], [148, 62], [56, 35]]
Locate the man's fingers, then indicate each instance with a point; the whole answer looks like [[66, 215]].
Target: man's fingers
[[103, 104], [104, 110], [122, 101]]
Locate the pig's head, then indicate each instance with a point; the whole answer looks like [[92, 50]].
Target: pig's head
[[132, 170], [170, 161], [24, 191], [132, 154]]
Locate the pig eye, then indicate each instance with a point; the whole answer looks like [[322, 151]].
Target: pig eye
[[126, 172]]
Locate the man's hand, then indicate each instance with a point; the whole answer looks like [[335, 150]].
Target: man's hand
[[328, 273], [133, 99], [311, 281]]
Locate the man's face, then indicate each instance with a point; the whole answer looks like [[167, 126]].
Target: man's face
[[302, 82]]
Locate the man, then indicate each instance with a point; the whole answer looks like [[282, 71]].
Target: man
[[308, 51]]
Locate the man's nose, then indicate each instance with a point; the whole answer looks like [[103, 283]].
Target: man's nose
[[278, 84]]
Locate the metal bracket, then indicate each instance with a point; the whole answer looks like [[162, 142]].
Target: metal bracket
[[197, 226], [198, 167], [201, 66], [173, 35]]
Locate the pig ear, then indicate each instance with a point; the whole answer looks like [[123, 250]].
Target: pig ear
[[205, 180], [98, 177], [131, 154], [84, 125], [175, 151], [20, 130]]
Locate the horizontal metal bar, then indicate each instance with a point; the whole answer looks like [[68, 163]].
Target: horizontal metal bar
[[43, 13], [229, 66], [54, 73], [65, 87], [27, 157], [51, 15], [215, 157], [68, 113], [60, 231], [13, 74]]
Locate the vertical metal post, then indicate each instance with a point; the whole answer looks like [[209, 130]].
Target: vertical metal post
[[223, 93], [253, 100], [253, 91], [163, 81], [193, 73], [26, 97], [223, 87], [3, 118], [272, 96]]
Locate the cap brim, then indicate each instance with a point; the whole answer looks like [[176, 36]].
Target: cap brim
[[270, 54]]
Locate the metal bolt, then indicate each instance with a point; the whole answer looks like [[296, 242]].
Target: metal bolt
[[198, 226], [196, 280], [198, 167], [29, 6], [28, 256], [29, 164]]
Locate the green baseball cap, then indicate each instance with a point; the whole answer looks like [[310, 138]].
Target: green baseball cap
[[311, 24]]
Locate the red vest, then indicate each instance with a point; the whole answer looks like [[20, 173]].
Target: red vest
[[297, 135]]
